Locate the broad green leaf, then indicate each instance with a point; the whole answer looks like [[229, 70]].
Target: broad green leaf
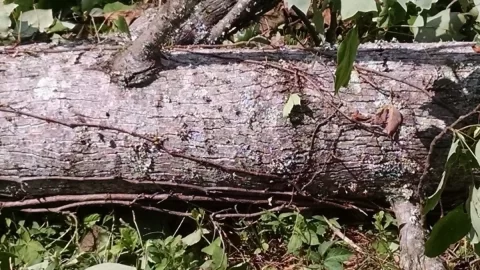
[[435, 197], [122, 25], [210, 249], [91, 220], [444, 26], [351, 7], [294, 243], [116, 6], [87, 5], [338, 255], [110, 266], [318, 20], [390, 14], [347, 52], [324, 247], [303, 5], [474, 208], [60, 26], [448, 230], [5, 22], [310, 238], [293, 99], [32, 21], [193, 238]]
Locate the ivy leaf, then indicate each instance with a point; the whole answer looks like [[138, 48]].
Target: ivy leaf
[[293, 99], [346, 55], [350, 8], [448, 230]]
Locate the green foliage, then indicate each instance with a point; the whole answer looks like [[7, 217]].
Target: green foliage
[[448, 230], [302, 235], [23, 19], [347, 52]]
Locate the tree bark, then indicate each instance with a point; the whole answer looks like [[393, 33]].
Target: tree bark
[[212, 124], [179, 22]]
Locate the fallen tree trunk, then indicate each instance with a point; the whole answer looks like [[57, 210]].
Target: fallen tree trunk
[[211, 126]]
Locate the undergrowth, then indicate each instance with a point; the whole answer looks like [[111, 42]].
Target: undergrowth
[[289, 240]]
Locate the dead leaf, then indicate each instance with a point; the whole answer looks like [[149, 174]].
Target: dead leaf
[[327, 16], [129, 15], [476, 48], [393, 121]]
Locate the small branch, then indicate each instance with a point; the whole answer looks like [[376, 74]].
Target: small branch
[[226, 22], [115, 202], [428, 159]]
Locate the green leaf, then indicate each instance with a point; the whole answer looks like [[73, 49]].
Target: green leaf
[[122, 25], [350, 8], [60, 26], [87, 5], [448, 230], [293, 99], [324, 247], [474, 208], [338, 254], [117, 6], [310, 238], [303, 5], [91, 220], [294, 243], [193, 238], [318, 20], [5, 22], [110, 266], [443, 26], [347, 52], [210, 249], [33, 21], [435, 197]]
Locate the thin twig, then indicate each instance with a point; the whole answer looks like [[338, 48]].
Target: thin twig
[[102, 202]]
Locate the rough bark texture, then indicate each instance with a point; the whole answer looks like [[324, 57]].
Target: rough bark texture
[[412, 238], [221, 123], [179, 22]]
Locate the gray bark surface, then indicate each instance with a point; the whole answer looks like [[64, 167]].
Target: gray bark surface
[[205, 106]]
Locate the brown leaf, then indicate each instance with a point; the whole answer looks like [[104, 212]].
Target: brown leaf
[[476, 48], [394, 120], [129, 15], [327, 16]]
